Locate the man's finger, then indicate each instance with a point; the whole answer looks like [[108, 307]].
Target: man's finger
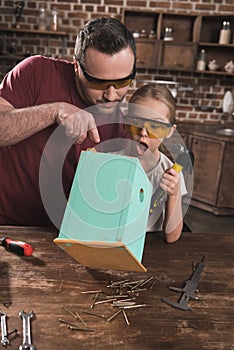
[[94, 135], [81, 138]]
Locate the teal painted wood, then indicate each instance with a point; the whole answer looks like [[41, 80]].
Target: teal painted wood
[[109, 201]]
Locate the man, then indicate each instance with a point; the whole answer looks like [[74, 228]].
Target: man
[[39, 94]]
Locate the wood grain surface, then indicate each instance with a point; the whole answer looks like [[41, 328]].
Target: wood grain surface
[[51, 278]]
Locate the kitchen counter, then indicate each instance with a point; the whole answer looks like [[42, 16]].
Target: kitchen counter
[[206, 129]]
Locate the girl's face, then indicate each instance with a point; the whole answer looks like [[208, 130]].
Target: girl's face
[[146, 138]]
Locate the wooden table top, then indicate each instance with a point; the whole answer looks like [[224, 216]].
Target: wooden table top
[[50, 278]]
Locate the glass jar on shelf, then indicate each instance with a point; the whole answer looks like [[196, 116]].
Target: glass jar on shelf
[[167, 36], [42, 19], [152, 34], [143, 34], [201, 60], [136, 34]]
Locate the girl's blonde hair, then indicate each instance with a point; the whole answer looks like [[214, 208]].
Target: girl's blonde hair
[[158, 92]]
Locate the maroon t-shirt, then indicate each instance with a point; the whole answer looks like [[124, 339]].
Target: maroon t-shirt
[[34, 81]]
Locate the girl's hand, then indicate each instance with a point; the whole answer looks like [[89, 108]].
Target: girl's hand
[[170, 182]]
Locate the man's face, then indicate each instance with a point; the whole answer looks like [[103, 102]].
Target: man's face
[[104, 67]]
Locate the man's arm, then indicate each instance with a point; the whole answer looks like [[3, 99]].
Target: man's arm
[[16, 124]]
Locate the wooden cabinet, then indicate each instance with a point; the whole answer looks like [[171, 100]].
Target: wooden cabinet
[[188, 35], [213, 173], [146, 53], [208, 40], [178, 50], [226, 193], [176, 56], [173, 51]]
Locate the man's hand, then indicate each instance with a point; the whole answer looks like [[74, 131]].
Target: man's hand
[[78, 123]]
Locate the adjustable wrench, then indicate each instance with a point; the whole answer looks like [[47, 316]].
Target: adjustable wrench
[[27, 343], [5, 340]]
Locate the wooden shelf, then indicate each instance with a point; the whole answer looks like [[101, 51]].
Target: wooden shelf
[[11, 57], [48, 34], [190, 34], [8, 59], [217, 72], [216, 45], [33, 31]]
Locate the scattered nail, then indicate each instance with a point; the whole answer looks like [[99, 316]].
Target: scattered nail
[[80, 329], [114, 315], [125, 317], [71, 313], [104, 301], [134, 306], [7, 303], [94, 300], [93, 314], [80, 318], [152, 285], [92, 291], [14, 331]]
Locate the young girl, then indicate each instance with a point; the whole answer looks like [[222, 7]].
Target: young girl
[[150, 119]]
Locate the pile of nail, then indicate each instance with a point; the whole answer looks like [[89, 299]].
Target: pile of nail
[[121, 295]]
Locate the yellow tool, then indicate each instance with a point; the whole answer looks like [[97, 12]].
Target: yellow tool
[[158, 194]]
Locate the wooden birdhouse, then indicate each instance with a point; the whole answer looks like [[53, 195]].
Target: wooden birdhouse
[[105, 220]]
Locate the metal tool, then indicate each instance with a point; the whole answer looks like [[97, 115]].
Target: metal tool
[[189, 290], [27, 343], [17, 247], [4, 340], [185, 162], [159, 193]]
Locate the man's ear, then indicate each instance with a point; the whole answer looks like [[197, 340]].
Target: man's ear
[[76, 66], [171, 132]]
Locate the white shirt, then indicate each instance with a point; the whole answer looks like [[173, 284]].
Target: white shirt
[[156, 218]]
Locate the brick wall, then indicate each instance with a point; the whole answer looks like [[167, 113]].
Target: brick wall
[[194, 90]]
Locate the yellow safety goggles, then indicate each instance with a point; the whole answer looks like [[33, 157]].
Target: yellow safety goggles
[[103, 84], [154, 128]]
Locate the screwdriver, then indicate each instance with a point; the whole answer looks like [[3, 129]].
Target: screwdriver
[[17, 247], [159, 192]]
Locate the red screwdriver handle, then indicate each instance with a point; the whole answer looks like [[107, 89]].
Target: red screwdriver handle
[[17, 247]]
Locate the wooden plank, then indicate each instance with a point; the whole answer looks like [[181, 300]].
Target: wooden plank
[[101, 255]]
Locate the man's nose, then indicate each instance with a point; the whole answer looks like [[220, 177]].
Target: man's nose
[[110, 93]]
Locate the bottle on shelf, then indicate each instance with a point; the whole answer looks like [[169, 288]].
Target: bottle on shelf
[[168, 34], [42, 19], [152, 34], [225, 33], [143, 34], [201, 60], [54, 20]]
